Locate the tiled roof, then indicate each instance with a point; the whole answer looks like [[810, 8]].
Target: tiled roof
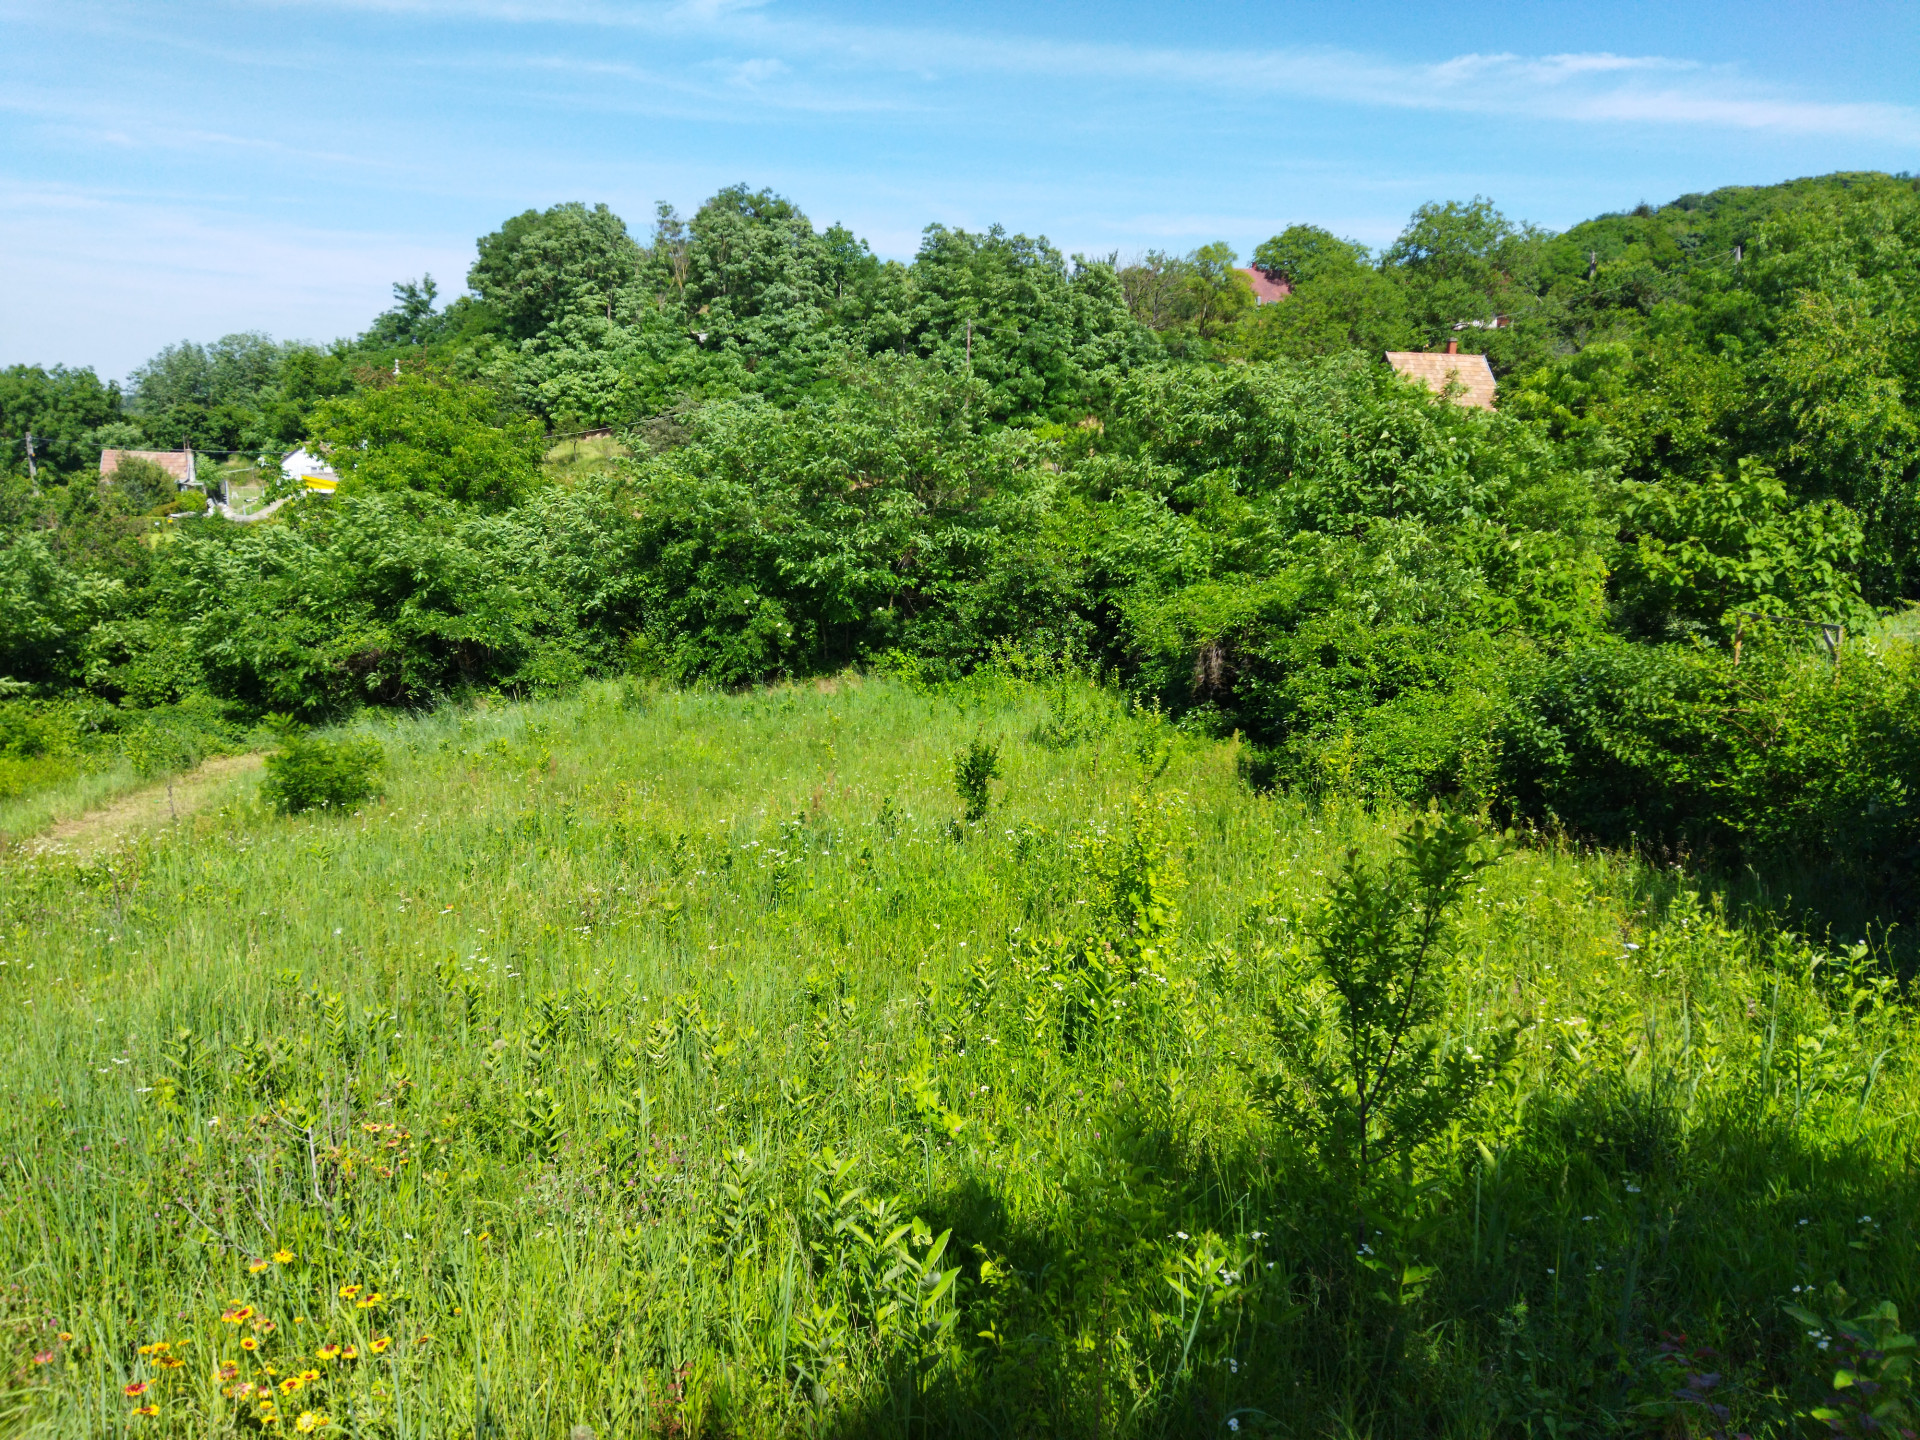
[[1266, 288], [1434, 369], [177, 463]]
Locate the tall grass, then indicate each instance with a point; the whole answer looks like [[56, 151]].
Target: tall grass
[[685, 1064]]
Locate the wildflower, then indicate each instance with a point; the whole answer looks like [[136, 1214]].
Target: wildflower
[[247, 1342], [264, 1326], [309, 1376], [237, 1316], [380, 1345], [329, 1351], [138, 1387], [45, 1357], [1232, 1423], [147, 1411], [171, 1362], [155, 1348], [367, 1302], [282, 1257], [292, 1385], [309, 1421], [1180, 1235], [347, 1292], [257, 1266], [227, 1370], [347, 1352], [66, 1335]]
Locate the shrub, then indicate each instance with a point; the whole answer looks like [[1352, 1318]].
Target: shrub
[[313, 773]]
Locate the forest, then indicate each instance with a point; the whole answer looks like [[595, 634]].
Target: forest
[[1597, 609], [1008, 844]]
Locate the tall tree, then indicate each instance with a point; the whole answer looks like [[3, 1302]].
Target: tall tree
[[543, 265]]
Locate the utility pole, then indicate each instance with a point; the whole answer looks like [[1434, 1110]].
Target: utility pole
[[33, 471]]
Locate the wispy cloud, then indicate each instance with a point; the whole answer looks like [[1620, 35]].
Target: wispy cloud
[[1589, 88]]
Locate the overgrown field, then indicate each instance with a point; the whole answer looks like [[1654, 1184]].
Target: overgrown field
[[686, 1064]]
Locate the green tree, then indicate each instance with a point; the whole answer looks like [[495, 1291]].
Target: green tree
[[429, 431], [543, 265], [1695, 553], [1302, 254], [63, 408]]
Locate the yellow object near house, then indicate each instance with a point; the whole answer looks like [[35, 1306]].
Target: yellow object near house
[[322, 484]]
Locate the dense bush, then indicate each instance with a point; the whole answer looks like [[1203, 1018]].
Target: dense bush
[[311, 772], [1783, 757]]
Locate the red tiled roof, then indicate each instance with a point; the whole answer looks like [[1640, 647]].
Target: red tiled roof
[[177, 463], [1434, 369], [1266, 288]]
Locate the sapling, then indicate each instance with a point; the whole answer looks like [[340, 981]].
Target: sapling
[[1364, 1072], [974, 769]]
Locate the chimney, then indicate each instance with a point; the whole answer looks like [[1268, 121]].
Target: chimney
[[1453, 347]]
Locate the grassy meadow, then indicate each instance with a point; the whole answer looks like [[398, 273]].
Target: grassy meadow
[[683, 1064]]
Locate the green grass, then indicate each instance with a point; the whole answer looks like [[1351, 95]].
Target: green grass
[[656, 1057], [45, 789]]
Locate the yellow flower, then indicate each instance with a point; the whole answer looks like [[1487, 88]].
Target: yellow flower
[[66, 1335], [148, 1410], [329, 1351], [257, 1266], [170, 1362], [291, 1384], [309, 1376], [238, 1315], [347, 1292], [309, 1421], [367, 1302], [226, 1371], [283, 1257], [381, 1344], [247, 1342], [347, 1352]]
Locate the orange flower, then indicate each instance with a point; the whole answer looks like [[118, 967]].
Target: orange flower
[[264, 1325], [138, 1387], [237, 1316], [227, 1370]]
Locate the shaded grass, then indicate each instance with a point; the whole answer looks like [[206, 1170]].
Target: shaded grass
[[667, 1011]]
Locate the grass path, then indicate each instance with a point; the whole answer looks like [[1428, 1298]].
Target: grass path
[[155, 804]]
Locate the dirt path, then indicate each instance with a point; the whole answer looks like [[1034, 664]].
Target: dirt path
[[138, 809]]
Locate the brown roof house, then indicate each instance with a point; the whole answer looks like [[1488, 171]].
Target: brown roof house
[[1436, 369], [177, 463], [1266, 288]]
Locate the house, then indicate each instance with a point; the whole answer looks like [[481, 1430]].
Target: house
[[1436, 369], [1266, 288], [177, 463], [311, 470]]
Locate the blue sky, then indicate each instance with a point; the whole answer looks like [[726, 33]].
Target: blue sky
[[174, 171]]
